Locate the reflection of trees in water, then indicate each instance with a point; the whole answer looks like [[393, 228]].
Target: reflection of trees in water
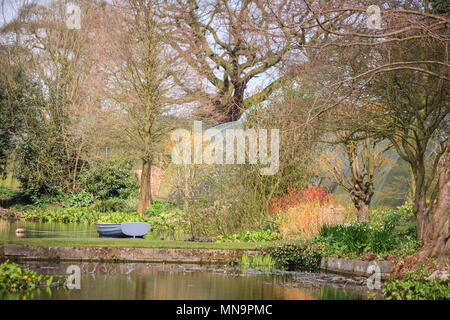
[[207, 285], [102, 280], [333, 292], [145, 281], [140, 289], [107, 268], [297, 294]]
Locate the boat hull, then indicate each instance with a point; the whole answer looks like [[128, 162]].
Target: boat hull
[[122, 230]]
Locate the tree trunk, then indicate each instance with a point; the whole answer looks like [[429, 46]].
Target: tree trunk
[[233, 112], [420, 206], [75, 170], [421, 215], [145, 192], [186, 193], [436, 236], [361, 198], [363, 212]]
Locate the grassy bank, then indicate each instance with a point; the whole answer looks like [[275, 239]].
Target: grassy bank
[[135, 243]]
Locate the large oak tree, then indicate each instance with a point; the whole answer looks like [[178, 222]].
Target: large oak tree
[[232, 51]]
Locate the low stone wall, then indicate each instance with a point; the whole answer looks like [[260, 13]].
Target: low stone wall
[[356, 267], [123, 254], [176, 255]]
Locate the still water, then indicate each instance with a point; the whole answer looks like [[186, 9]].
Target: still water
[[144, 281], [53, 230], [169, 281], [47, 230]]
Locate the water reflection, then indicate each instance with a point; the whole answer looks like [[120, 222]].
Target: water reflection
[[143, 281], [46, 230], [52, 230]]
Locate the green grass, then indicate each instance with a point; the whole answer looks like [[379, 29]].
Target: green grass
[[135, 243]]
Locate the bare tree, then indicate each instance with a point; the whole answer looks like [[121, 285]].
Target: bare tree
[[57, 58], [402, 26], [355, 163], [229, 47], [140, 83]]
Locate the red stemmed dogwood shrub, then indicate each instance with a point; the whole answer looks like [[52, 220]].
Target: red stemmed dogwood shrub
[[302, 212], [311, 194]]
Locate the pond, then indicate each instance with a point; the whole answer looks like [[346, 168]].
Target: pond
[[145, 281], [46, 230], [170, 281], [52, 230]]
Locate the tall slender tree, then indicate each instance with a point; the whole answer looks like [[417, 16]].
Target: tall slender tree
[[141, 80]]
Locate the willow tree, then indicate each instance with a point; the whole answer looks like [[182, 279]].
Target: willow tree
[[141, 81]]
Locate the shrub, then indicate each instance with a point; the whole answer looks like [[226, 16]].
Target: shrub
[[305, 220], [111, 205], [42, 163], [46, 200], [402, 218], [68, 215], [169, 223], [167, 220], [157, 208], [111, 179], [78, 200], [311, 194], [398, 216], [357, 238], [200, 225], [250, 236], [14, 278], [413, 286], [416, 289], [8, 193], [301, 212], [303, 255], [381, 239]]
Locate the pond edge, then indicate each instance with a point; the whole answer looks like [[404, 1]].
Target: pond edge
[[351, 267], [123, 254], [356, 267]]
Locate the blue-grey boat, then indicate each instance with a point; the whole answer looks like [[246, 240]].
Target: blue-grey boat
[[123, 230]]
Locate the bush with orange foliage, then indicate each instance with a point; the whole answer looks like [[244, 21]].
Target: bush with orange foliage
[[296, 196], [302, 213]]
